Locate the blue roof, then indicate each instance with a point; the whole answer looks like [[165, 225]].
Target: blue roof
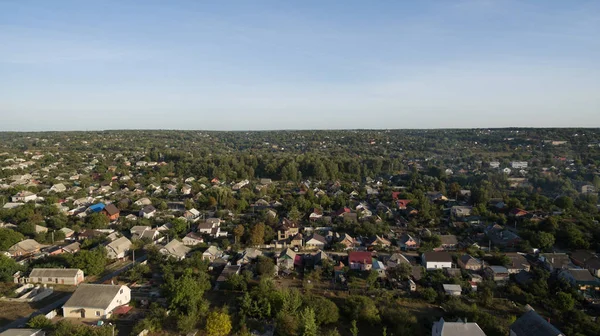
[[97, 207]]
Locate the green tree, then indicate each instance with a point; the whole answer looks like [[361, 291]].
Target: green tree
[[354, 328], [428, 294], [564, 202], [8, 238], [363, 308], [543, 240], [97, 221], [238, 232], [39, 322], [326, 311], [265, 266], [257, 234], [309, 324], [218, 323], [91, 262], [564, 301]]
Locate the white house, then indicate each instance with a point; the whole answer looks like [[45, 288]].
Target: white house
[[436, 260], [63, 276], [118, 248], [95, 301], [518, 164], [458, 328], [24, 196]]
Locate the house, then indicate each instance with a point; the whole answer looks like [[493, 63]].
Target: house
[[287, 259], [315, 214], [581, 279], [347, 241], [318, 258], [227, 272], [532, 324], [148, 211], [315, 242], [24, 196], [518, 164], [94, 301], [51, 276], [411, 285], [554, 261], [588, 189], [143, 202], [470, 263], [396, 259], [593, 265], [518, 263], [379, 267], [579, 257], [297, 240], [402, 204], [360, 260], [191, 214], [449, 243], [212, 253], [118, 248], [502, 237], [175, 249], [248, 255], [498, 274], [210, 226], [98, 207], [24, 248], [23, 332], [517, 213], [461, 211], [143, 232], [378, 241], [408, 242], [59, 187], [72, 248], [68, 232], [458, 328], [287, 229], [111, 211], [436, 260], [40, 229], [192, 239], [452, 290]]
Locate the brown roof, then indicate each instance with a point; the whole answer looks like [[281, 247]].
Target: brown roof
[[438, 256], [111, 209]]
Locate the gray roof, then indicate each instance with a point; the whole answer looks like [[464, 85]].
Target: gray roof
[[93, 296], [54, 272], [176, 248], [460, 328], [532, 324], [20, 332]]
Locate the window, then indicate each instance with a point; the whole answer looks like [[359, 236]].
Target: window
[[121, 291], [97, 313], [39, 279], [50, 279]]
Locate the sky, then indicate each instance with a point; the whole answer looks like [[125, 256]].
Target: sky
[[262, 65]]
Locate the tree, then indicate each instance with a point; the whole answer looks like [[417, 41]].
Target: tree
[[363, 308], [97, 221], [354, 328], [543, 240], [564, 301], [400, 272], [428, 294], [218, 323], [238, 232], [8, 238], [309, 324], [39, 322], [326, 311], [564, 202], [91, 262], [257, 234], [294, 214], [265, 266]]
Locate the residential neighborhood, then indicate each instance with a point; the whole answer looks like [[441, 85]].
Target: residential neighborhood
[[145, 240]]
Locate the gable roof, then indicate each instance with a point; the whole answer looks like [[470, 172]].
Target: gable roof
[[532, 324], [318, 238], [437, 257], [93, 296], [111, 209], [54, 272], [176, 248], [459, 328], [360, 257], [120, 245]]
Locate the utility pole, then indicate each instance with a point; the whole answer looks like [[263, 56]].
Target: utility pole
[[133, 258], [52, 237]]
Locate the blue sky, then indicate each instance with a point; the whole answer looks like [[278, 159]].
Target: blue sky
[[240, 65]]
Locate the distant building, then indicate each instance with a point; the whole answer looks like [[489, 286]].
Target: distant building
[[518, 164], [94, 301], [532, 324], [458, 328], [62, 276]]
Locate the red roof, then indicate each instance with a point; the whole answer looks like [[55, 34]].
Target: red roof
[[402, 203], [395, 195], [360, 257], [122, 310]]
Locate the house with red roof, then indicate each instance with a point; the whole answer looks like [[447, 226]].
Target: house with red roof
[[402, 203], [360, 260]]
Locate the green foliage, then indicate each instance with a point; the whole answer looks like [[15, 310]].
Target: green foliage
[[218, 323], [326, 311], [97, 220], [309, 324], [257, 234], [8, 238], [362, 308], [39, 322], [428, 294], [354, 328], [265, 266], [91, 262]]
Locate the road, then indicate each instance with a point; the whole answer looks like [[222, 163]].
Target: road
[[56, 304]]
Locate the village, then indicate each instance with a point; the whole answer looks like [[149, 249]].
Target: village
[[109, 239]]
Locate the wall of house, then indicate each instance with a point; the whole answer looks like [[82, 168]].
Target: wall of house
[[437, 264], [58, 280], [88, 313]]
